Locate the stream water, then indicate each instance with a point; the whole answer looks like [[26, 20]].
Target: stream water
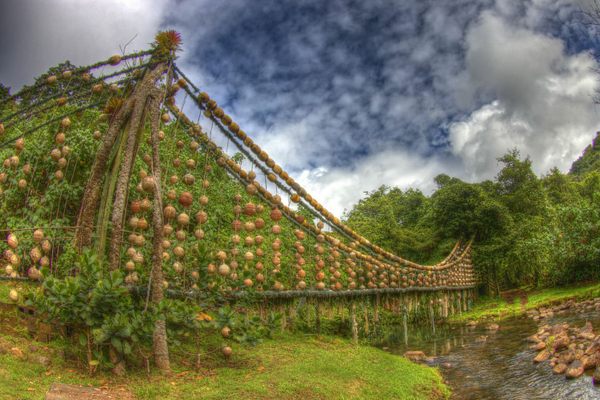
[[483, 365]]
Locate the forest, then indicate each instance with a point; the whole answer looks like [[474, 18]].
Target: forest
[[528, 231]]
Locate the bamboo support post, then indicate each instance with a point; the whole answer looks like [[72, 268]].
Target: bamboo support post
[[354, 322]]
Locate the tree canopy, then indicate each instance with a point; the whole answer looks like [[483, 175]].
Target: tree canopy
[[527, 230]]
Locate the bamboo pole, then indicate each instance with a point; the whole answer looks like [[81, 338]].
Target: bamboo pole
[[160, 346], [354, 323]]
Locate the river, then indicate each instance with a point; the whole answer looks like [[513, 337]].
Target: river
[[483, 365]]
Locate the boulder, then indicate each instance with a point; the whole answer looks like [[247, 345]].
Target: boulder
[[575, 370]]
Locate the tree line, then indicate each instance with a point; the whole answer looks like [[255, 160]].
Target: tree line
[[528, 231]]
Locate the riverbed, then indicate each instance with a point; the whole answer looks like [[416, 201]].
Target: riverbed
[[495, 365]]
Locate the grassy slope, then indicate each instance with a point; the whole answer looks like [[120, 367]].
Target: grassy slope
[[291, 367], [498, 309], [296, 367], [288, 367]]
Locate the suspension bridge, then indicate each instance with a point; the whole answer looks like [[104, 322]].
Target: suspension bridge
[[130, 158]]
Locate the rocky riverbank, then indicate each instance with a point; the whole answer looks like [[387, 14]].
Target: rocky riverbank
[[570, 350]]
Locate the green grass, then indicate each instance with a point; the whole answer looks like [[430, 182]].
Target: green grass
[[497, 309], [290, 366], [303, 367]]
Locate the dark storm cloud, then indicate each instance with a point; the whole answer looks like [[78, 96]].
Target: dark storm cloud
[[352, 94]]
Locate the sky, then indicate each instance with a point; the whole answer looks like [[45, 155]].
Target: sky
[[350, 95]]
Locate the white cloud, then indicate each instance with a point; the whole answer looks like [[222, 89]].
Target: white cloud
[[543, 99], [339, 188]]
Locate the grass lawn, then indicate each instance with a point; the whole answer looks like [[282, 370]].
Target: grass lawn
[[498, 309]]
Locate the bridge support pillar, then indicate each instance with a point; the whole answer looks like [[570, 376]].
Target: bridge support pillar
[[376, 309], [445, 305], [318, 317], [353, 321]]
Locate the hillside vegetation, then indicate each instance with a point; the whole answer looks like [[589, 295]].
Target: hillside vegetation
[[528, 230]]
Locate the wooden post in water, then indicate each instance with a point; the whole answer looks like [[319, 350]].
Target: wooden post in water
[[445, 305], [432, 316]]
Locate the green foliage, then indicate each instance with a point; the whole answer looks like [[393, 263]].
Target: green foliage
[[528, 231], [392, 218], [589, 160], [97, 308]]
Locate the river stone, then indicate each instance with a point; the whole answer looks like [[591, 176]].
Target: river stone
[[586, 334], [567, 357], [594, 347], [18, 353], [587, 327], [415, 355], [532, 339], [561, 341], [539, 346], [558, 329], [559, 368], [542, 356], [575, 369], [589, 362], [492, 327], [61, 391], [40, 359]]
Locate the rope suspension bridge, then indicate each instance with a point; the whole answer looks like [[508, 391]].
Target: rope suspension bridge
[[184, 201]]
